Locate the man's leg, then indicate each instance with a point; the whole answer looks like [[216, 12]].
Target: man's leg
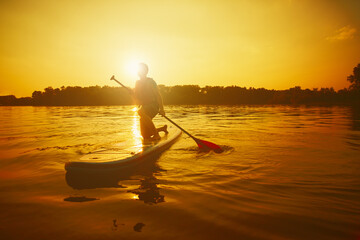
[[147, 127], [145, 133]]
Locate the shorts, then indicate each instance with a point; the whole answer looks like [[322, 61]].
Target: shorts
[[150, 110]]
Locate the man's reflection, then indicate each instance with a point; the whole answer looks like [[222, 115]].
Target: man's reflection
[[148, 192]]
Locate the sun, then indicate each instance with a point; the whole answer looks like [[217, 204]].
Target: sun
[[132, 68]]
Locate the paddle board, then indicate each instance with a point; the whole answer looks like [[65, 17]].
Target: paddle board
[[123, 155]]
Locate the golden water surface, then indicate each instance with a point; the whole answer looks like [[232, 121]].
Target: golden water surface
[[286, 173]]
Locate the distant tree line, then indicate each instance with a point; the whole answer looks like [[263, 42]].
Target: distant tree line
[[186, 94], [192, 94], [72, 96]]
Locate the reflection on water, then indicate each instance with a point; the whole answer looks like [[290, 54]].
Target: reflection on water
[[135, 129], [355, 118], [289, 173], [353, 138], [138, 227], [149, 192], [79, 199]]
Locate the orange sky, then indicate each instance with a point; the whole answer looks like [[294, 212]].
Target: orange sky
[[276, 44]]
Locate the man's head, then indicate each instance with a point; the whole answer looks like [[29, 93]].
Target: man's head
[[142, 70]]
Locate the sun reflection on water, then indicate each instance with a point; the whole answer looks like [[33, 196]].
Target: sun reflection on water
[[136, 197], [135, 130]]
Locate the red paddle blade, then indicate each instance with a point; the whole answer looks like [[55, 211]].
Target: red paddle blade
[[206, 146]]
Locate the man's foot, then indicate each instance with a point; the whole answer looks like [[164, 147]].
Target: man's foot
[[163, 129]]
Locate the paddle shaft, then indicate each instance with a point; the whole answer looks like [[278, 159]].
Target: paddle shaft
[[180, 128], [123, 85]]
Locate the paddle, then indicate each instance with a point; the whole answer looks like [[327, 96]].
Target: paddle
[[204, 146], [113, 78]]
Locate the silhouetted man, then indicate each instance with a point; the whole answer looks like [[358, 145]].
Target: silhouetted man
[[147, 95]]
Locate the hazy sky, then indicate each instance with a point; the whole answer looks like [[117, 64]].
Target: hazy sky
[[276, 44]]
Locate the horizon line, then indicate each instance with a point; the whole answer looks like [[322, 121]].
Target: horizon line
[[273, 89]]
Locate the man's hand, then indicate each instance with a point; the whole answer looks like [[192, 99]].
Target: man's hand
[[162, 112]]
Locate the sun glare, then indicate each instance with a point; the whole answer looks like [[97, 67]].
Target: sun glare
[[132, 68]]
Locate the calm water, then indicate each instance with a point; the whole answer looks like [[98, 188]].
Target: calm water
[[287, 173]]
